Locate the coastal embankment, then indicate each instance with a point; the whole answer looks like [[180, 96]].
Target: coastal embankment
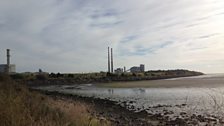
[[42, 79]]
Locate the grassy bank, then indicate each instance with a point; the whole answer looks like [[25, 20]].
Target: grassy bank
[[21, 107], [40, 78]]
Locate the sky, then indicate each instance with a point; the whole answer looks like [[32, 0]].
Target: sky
[[72, 36]]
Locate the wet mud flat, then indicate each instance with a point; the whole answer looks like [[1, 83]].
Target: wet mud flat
[[203, 81], [119, 114]]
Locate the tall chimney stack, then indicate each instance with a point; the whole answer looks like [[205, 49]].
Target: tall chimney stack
[[109, 59], [112, 64], [8, 59]]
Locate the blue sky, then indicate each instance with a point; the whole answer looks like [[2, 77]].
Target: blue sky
[[73, 35]]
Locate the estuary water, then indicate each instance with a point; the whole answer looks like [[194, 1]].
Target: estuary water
[[200, 95]]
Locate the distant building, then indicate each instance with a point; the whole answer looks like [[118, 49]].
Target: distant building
[[142, 67], [136, 69], [8, 68], [119, 70], [3, 68]]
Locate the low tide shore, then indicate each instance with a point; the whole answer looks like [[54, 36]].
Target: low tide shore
[[119, 115], [105, 80]]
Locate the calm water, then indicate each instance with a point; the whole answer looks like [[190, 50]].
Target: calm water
[[192, 100]]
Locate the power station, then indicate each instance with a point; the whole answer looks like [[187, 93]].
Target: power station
[[134, 69], [7, 68]]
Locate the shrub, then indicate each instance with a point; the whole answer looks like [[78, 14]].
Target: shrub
[[70, 75], [20, 107], [41, 77]]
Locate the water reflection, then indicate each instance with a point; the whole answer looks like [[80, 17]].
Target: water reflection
[[177, 99], [111, 91], [139, 91]]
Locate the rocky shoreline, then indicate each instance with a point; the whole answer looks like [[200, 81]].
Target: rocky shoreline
[[120, 116]]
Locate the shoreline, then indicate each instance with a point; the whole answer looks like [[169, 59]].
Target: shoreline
[[182, 82], [116, 114], [119, 115], [64, 81]]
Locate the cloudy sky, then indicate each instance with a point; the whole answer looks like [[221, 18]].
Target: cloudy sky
[[73, 35]]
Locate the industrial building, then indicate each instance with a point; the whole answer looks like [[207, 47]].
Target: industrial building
[[8, 68], [134, 69], [142, 68], [137, 69], [4, 67], [119, 70]]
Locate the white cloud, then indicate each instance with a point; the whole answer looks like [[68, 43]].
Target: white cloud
[[72, 36]]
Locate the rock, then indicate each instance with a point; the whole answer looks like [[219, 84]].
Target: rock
[[158, 106], [157, 116], [211, 119], [166, 117], [201, 118], [168, 113], [180, 121], [124, 102], [132, 107], [131, 102], [194, 122], [143, 112], [179, 106], [213, 116], [183, 113], [183, 104], [193, 116], [221, 121]]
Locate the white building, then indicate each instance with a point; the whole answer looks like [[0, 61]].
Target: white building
[[3, 68], [136, 69]]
